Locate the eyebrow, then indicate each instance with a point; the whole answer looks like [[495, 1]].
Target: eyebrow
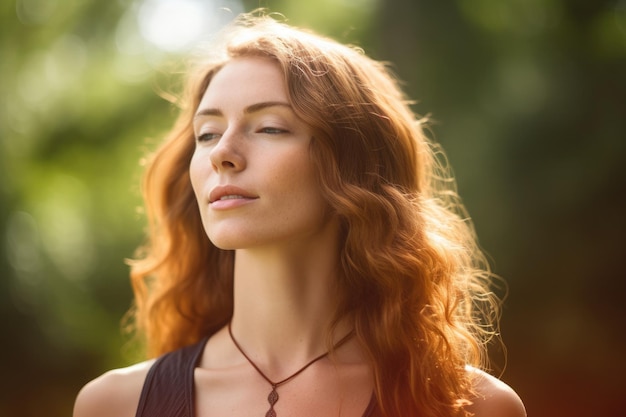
[[253, 108]]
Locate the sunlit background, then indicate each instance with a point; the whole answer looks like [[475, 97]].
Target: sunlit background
[[528, 97]]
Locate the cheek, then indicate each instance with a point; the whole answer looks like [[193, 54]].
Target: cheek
[[293, 170], [197, 171], [301, 182]]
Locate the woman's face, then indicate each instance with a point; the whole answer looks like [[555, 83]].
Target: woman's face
[[251, 170]]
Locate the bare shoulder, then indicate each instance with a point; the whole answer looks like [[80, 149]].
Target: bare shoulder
[[494, 398], [113, 394]]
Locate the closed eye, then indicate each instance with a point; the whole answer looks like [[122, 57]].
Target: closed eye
[[272, 130], [207, 137]]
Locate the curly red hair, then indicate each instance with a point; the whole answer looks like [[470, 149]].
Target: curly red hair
[[413, 279]]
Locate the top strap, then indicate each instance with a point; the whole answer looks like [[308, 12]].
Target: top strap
[[168, 389]]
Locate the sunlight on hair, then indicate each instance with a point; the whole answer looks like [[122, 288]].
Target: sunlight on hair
[[175, 25]]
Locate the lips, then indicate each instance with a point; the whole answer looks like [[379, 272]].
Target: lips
[[229, 192]]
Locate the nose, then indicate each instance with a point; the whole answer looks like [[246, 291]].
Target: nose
[[227, 154]]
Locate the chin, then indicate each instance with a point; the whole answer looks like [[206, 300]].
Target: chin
[[225, 244], [227, 237], [232, 241]]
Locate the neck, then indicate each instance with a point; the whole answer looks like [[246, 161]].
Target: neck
[[285, 301]]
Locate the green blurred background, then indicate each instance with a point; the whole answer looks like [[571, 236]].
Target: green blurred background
[[528, 98]]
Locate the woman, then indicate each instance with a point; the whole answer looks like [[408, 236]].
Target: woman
[[307, 255]]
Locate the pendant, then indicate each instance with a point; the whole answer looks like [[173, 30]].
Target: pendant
[[272, 398]]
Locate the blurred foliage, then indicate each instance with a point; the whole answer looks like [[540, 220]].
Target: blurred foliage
[[528, 97]]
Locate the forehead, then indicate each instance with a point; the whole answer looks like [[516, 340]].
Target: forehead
[[245, 81]]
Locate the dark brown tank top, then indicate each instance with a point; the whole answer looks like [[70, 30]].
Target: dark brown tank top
[[168, 390]]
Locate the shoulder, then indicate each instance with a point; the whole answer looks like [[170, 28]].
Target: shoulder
[[494, 398], [113, 394]]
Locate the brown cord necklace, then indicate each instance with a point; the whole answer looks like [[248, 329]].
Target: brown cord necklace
[[272, 398]]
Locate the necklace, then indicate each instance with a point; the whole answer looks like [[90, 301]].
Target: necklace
[[272, 398]]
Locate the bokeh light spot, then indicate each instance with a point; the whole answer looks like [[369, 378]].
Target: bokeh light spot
[[176, 25]]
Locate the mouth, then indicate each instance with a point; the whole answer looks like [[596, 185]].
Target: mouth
[[232, 197], [229, 192]]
